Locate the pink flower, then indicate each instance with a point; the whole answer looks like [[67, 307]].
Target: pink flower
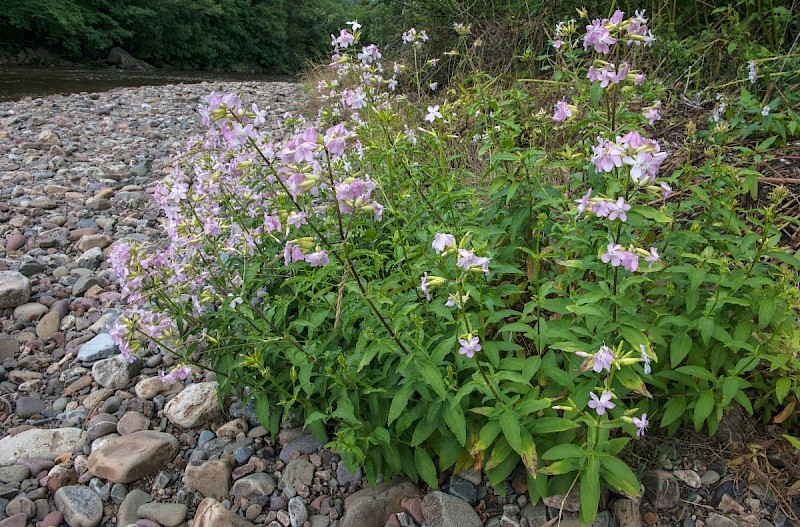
[[433, 113], [424, 286], [317, 259], [645, 359], [667, 192], [563, 111], [598, 35], [614, 254], [640, 166], [583, 202], [442, 241], [641, 424], [653, 258], [344, 39], [607, 155], [639, 79], [619, 210], [181, 372], [630, 261], [602, 360], [469, 347], [652, 115], [602, 403], [557, 43]]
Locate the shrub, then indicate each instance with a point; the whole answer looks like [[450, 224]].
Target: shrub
[[545, 314]]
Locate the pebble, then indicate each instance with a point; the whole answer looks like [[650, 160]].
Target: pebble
[[80, 506]]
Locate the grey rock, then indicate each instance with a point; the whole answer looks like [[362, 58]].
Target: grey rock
[[627, 513], [304, 445], [115, 372], [347, 478], [15, 289], [21, 505], [14, 474], [372, 507], [29, 406], [167, 514], [709, 477], [80, 506], [255, 488], [297, 472], [536, 515], [463, 489], [127, 513], [444, 510], [83, 284], [17, 520], [298, 514], [195, 405], [101, 425], [718, 520], [661, 489], [39, 443]]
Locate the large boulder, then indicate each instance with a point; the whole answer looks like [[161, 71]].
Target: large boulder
[[122, 59], [129, 458], [39, 444]]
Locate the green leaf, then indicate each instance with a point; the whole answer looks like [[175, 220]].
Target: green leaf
[[564, 451], [703, 408], [432, 377], [399, 402], [766, 311], [423, 431], [548, 425], [650, 213], [528, 454], [509, 423], [697, 371], [620, 476], [596, 92], [590, 490], [729, 388], [454, 419], [679, 349], [706, 326], [782, 388], [673, 410], [261, 408], [425, 467]]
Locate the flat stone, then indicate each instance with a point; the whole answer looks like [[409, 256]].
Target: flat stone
[[9, 347], [15, 289], [372, 507], [14, 474], [298, 513], [572, 503], [297, 472], [690, 477], [150, 387], [21, 505], [212, 479], [53, 519], [444, 510], [115, 372], [29, 406], [132, 457], [304, 445], [29, 312], [255, 487], [661, 488], [81, 506], [127, 513], [132, 422], [89, 241], [100, 425], [83, 284], [39, 443], [48, 325], [14, 242], [718, 520], [193, 406], [17, 520], [167, 514], [99, 347], [627, 513], [233, 428]]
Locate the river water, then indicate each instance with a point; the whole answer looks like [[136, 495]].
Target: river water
[[17, 83]]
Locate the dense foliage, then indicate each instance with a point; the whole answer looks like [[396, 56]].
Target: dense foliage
[[473, 281], [277, 35]]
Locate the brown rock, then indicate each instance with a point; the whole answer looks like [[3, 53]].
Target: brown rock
[[195, 405], [132, 422], [60, 476], [373, 507], [78, 385], [14, 242], [627, 513], [212, 479], [211, 513], [90, 241], [48, 325], [132, 457]]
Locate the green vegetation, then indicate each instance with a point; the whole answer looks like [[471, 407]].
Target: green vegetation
[[277, 35], [461, 262]]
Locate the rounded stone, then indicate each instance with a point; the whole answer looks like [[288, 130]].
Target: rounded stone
[[80, 506], [15, 289]]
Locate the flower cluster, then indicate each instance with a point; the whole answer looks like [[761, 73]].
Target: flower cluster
[[643, 156], [412, 36], [629, 259], [601, 34]]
